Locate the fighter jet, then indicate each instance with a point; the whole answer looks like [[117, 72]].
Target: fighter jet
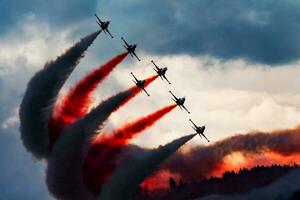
[[139, 83], [103, 25], [199, 130], [130, 48], [161, 71], [179, 102]]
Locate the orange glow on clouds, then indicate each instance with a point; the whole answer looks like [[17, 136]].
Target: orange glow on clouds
[[239, 160]]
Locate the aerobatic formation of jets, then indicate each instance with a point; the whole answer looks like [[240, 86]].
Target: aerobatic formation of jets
[[161, 72]]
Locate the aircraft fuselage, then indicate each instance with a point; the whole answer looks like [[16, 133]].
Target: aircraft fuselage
[[104, 25], [180, 101], [131, 48], [162, 71], [200, 129], [140, 83]]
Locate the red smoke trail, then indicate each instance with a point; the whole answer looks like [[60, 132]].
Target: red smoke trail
[[123, 135], [76, 103], [135, 91], [104, 152]]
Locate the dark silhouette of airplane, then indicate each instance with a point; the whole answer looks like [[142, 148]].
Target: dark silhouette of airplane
[[161, 72], [179, 102], [140, 83], [199, 130], [130, 48], [104, 26]]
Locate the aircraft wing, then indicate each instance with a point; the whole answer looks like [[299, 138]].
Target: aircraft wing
[[176, 102], [157, 68], [109, 33], [205, 137], [98, 18], [125, 41], [166, 79], [194, 128], [185, 109], [173, 95], [193, 123], [134, 77], [145, 91], [136, 56]]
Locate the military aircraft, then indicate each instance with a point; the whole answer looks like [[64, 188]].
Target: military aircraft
[[179, 102], [103, 25], [139, 83], [161, 71], [130, 48], [199, 130]]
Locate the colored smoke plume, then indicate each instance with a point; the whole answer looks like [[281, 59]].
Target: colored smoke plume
[[77, 101], [137, 90], [121, 136], [65, 162], [105, 149], [127, 178]]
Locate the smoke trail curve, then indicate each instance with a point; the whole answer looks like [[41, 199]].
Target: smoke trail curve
[[105, 149], [76, 103], [64, 171], [41, 93], [121, 136], [127, 177]]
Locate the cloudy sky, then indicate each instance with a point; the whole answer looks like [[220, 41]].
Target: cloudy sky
[[237, 63]]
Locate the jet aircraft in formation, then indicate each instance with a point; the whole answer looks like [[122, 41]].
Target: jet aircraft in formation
[[159, 70]]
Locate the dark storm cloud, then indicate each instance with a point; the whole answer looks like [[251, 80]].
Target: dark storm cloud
[[56, 12], [257, 31]]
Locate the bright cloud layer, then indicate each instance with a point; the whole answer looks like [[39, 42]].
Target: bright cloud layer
[[229, 97]]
